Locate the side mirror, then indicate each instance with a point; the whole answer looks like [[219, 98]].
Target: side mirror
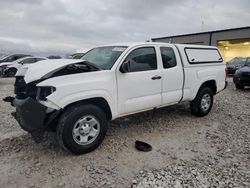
[[125, 67]]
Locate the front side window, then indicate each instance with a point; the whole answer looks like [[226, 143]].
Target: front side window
[[104, 57], [168, 57], [142, 59]]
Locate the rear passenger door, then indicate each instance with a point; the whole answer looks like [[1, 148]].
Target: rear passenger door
[[172, 75], [140, 88]]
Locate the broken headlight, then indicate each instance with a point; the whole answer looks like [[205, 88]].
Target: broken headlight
[[43, 92]]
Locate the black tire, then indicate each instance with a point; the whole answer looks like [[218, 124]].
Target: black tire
[[67, 122], [239, 86], [11, 72], [196, 104]]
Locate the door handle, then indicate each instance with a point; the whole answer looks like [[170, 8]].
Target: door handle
[[156, 77]]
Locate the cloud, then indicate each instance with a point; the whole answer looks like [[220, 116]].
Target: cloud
[[64, 26]]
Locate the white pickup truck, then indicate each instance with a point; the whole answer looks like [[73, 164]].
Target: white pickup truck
[[77, 98]]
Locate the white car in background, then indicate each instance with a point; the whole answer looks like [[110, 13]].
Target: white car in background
[[6, 60], [13, 67]]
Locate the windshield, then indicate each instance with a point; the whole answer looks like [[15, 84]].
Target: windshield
[[248, 62], [104, 57], [3, 56], [237, 61]]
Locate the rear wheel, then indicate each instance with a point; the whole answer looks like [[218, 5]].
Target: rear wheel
[[82, 128], [202, 103], [239, 86]]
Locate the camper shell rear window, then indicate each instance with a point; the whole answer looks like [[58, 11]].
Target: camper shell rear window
[[203, 55]]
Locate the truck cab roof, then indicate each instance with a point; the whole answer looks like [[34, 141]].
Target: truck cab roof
[[134, 44]]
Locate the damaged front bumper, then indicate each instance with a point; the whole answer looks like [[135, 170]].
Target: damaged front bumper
[[30, 114], [33, 114]]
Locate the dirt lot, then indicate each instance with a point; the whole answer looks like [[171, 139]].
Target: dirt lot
[[187, 151]]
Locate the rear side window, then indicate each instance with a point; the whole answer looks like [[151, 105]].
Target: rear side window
[[168, 57], [20, 56], [39, 59], [142, 59], [203, 55], [28, 61]]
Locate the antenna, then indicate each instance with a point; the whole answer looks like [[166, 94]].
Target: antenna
[[202, 25]]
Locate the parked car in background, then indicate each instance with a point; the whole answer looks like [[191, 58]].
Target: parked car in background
[[242, 76], [54, 57], [2, 56], [11, 70], [13, 57], [77, 55], [9, 59], [235, 64], [77, 98]]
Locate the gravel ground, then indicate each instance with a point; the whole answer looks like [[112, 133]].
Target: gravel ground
[[213, 151]]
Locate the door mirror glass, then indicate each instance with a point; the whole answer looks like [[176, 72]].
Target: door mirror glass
[[125, 67]]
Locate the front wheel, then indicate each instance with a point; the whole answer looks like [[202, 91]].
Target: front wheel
[[11, 72], [82, 128], [202, 103], [239, 86]]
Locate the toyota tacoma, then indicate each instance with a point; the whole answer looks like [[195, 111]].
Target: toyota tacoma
[[77, 98]]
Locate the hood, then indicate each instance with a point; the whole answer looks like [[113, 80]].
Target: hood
[[245, 69], [234, 66], [5, 64], [14, 65], [231, 66], [38, 70]]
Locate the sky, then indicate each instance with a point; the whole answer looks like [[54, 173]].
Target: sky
[[66, 26]]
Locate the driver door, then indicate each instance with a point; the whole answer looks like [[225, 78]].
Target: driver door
[[139, 88]]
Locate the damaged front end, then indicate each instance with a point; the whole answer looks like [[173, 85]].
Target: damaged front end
[[34, 111], [31, 114]]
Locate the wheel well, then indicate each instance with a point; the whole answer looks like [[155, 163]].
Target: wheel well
[[98, 101], [12, 68], [211, 84]]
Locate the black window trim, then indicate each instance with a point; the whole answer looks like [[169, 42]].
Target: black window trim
[[162, 58], [140, 48], [203, 62]]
